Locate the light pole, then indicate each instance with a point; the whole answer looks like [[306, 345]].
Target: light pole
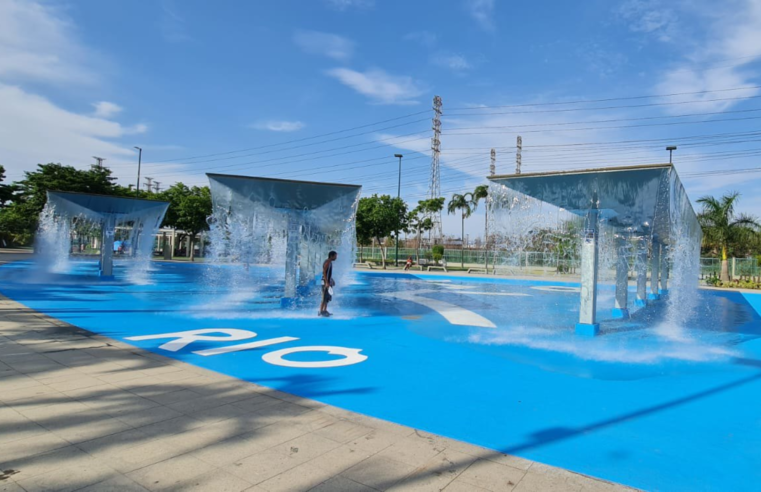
[[398, 196], [671, 149], [139, 161]]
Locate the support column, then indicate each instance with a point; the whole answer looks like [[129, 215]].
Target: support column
[[621, 309], [292, 246], [107, 249], [664, 290], [640, 265], [166, 247], [655, 268], [587, 324]]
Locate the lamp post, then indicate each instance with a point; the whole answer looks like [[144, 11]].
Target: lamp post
[[671, 149], [139, 161], [398, 196]]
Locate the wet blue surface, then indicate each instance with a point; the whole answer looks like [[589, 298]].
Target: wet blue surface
[[650, 403]]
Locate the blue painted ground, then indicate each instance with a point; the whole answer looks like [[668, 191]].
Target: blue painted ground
[[651, 403]]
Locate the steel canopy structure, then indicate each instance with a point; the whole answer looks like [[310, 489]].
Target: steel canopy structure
[[646, 202], [313, 217], [107, 211]]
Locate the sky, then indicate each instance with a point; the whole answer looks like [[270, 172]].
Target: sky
[[330, 90]]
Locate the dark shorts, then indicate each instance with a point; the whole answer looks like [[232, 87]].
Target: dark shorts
[[326, 297]]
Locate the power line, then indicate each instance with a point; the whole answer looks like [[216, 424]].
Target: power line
[[625, 98]]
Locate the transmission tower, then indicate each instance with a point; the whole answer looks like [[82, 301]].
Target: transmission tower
[[148, 182], [493, 165], [98, 161], [156, 186], [435, 190], [518, 149]]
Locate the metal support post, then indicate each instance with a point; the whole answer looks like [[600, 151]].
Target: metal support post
[[587, 324], [621, 309], [107, 249], [293, 240], [664, 290], [640, 265], [655, 268]]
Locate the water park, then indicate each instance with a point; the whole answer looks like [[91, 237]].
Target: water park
[[624, 370]]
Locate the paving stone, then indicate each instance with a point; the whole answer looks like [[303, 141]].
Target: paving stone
[[170, 397], [492, 476], [412, 450], [262, 466], [119, 483], [301, 477], [31, 446], [169, 473], [150, 416], [460, 486], [216, 481], [341, 484], [69, 478], [343, 431], [379, 472], [33, 466], [438, 473]]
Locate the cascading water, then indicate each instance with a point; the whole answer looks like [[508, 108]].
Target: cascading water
[[282, 229], [104, 217], [635, 215]]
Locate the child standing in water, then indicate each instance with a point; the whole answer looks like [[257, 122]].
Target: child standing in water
[[327, 283]]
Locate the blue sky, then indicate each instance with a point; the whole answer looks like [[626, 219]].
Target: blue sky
[[184, 79]]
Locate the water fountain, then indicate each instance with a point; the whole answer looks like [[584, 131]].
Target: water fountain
[[626, 214], [104, 214], [293, 224]]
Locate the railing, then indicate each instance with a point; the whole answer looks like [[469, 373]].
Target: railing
[[537, 261]]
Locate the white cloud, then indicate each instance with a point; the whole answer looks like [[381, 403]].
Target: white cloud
[[650, 17], [37, 45], [452, 61], [342, 5], [380, 86], [279, 126], [425, 38], [34, 130], [323, 43], [172, 24], [105, 109], [483, 12], [721, 59]]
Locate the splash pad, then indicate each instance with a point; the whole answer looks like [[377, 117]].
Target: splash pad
[[491, 361], [621, 215], [98, 215]]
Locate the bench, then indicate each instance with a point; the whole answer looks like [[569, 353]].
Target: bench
[[478, 270], [437, 267], [365, 264]]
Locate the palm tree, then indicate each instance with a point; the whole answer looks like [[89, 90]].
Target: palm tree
[[482, 193], [464, 203], [722, 229]]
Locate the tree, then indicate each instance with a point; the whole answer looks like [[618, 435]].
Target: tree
[[419, 222], [378, 217], [188, 210], [463, 203], [6, 191], [722, 229], [482, 193], [19, 219]]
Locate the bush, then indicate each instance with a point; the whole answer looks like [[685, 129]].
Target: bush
[[437, 257], [438, 249]]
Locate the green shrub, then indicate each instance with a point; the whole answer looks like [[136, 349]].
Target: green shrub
[[438, 249], [437, 257]]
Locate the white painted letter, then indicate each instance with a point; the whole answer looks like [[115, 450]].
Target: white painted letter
[[184, 338], [245, 346], [351, 356]]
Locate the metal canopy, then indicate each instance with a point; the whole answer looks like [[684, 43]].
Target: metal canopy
[[635, 197], [102, 206], [284, 193]]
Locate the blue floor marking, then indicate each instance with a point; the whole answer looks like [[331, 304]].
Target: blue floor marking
[[628, 406]]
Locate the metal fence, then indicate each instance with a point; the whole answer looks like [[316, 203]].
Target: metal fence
[[544, 261]]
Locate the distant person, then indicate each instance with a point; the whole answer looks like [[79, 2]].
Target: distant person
[[327, 283], [408, 265]]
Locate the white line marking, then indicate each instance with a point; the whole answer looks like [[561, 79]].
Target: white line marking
[[452, 313], [516, 294]]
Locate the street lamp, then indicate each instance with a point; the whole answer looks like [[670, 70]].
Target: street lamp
[[398, 195], [671, 149], [139, 161]]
